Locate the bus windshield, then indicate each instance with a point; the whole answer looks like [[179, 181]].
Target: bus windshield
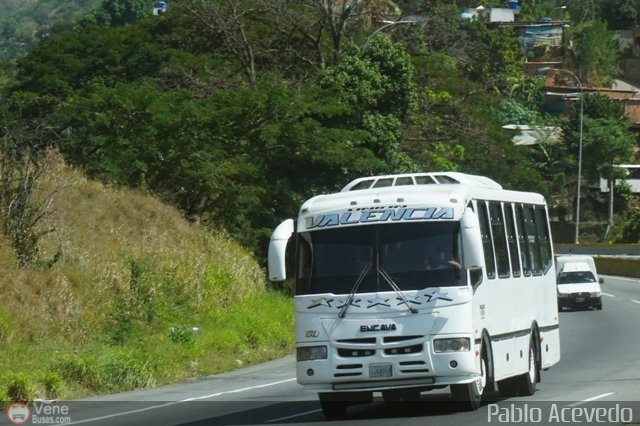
[[414, 255]]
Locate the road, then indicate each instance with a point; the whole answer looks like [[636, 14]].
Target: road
[[599, 374]]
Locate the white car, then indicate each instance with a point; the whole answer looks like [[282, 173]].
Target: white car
[[578, 283]]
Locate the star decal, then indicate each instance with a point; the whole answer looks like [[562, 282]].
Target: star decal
[[353, 303], [410, 299], [437, 295], [378, 301], [323, 301]]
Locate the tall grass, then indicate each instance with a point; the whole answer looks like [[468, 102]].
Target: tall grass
[[136, 296]]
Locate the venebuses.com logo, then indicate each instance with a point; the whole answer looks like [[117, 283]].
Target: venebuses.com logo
[[42, 412], [18, 413]]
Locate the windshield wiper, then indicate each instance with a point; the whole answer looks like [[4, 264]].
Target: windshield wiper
[[395, 287], [363, 274]]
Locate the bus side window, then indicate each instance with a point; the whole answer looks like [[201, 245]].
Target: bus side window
[[542, 228], [522, 240], [511, 240], [499, 239], [487, 244], [532, 240]]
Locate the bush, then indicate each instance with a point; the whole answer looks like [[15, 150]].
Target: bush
[[53, 385], [20, 388], [113, 370], [631, 228], [181, 335]]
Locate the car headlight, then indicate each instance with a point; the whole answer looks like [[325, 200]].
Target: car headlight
[[457, 344], [595, 294], [562, 295], [309, 353]]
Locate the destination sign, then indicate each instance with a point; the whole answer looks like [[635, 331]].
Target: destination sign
[[374, 215]]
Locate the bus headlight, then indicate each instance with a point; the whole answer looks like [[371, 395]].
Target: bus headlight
[[309, 353], [458, 344]]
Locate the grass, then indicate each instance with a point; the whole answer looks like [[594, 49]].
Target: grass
[[138, 297]]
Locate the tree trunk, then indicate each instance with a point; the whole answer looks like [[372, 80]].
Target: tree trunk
[[611, 185]]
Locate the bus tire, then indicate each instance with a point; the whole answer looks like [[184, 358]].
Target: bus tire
[[469, 395], [487, 356], [507, 387], [526, 383], [466, 396]]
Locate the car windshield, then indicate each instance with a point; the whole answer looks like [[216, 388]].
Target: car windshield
[[576, 277], [414, 256]]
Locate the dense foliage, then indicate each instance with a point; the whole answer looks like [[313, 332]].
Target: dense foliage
[[23, 23], [237, 111]]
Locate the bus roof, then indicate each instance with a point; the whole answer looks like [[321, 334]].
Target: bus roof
[[409, 179], [439, 189]]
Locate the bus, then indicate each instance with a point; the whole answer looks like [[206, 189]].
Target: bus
[[632, 178], [412, 282]]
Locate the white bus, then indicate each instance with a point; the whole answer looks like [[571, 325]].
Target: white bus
[[413, 282], [632, 178]]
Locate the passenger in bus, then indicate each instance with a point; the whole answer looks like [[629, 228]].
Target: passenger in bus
[[436, 259]]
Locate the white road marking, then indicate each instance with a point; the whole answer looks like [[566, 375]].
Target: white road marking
[[294, 415], [607, 294], [593, 398], [182, 401], [635, 301], [237, 390]]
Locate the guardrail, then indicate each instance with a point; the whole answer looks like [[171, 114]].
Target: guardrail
[[599, 249]]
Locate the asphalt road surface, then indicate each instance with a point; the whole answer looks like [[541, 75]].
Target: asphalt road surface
[[596, 382]]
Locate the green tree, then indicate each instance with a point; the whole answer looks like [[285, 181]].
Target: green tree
[[120, 12], [73, 58], [376, 82], [595, 53], [607, 142], [607, 139], [496, 56], [584, 10], [621, 14], [511, 111], [236, 158]]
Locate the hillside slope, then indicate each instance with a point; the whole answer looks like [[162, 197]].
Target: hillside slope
[[137, 297]]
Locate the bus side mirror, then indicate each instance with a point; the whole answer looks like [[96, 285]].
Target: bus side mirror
[[277, 250], [473, 256]]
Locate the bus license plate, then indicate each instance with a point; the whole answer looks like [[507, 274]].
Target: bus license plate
[[379, 370]]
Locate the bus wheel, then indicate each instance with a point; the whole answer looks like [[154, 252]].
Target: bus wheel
[[526, 383], [469, 395]]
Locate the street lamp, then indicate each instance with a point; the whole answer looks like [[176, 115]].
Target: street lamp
[[577, 240], [387, 25]]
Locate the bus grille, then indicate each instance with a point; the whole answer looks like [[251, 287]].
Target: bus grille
[[404, 350], [355, 353]]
